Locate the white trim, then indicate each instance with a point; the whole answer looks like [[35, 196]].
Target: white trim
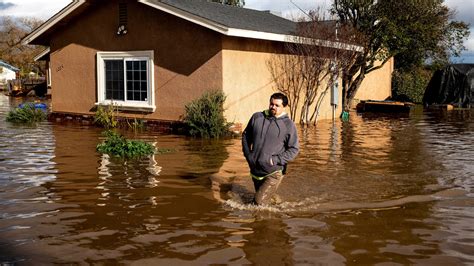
[[43, 53], [52, 21], [326, 43], [148, 105], [259, 35], [291, 39], [48, 76]]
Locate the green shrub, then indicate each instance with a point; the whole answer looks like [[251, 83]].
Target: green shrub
[[204, 117], [26, 114], [105, 116], [117, 145], [410, 85]]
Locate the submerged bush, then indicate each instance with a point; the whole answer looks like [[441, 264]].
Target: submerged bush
[[204, 117], [117, 145], [136, 124], [105, 116], [26, 114]]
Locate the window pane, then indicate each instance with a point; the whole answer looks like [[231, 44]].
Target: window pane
[[137, 88], [114, 80]]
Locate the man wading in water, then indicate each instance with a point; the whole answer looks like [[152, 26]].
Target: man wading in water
[[269, 142]]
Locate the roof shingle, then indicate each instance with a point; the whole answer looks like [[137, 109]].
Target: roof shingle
[[233, 17]]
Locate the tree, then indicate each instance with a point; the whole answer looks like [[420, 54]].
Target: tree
[[410, 31], [307, 68], [239, 3], [12, 31]]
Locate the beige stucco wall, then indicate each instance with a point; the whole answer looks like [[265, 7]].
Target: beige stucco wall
[[377, 85], [248, 84], [187, 57]]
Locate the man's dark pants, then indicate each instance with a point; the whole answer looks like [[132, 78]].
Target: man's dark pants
[[266, 188]]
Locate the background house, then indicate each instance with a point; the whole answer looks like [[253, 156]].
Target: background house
[[7, 72], [151, 57]]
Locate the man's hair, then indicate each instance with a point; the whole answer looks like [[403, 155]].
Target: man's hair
[[280, 96]]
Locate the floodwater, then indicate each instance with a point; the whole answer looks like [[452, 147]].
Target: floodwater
[[368, 191]]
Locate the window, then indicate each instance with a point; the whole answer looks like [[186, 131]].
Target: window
[[126, 79]]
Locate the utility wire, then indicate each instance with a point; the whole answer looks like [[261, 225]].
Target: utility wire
[[304, 12]]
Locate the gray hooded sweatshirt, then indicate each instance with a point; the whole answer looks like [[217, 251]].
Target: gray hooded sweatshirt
[[268, 137]]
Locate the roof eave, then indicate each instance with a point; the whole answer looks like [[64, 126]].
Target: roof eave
[[292, 39], [327, 43], [52, 21], [6, 65], [40, 56]]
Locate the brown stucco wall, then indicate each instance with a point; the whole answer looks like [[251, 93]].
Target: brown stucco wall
[[187, 57]]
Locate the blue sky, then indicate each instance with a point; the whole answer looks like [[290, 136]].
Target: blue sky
[[45, 8]]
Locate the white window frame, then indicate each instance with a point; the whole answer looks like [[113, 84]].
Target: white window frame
[[149, 104]]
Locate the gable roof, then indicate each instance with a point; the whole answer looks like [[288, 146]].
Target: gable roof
[[6, 65], [225, 19]]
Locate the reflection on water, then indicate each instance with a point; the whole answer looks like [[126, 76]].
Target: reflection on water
[[372, 190]]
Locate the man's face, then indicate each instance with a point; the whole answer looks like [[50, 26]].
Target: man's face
[[276, 107]]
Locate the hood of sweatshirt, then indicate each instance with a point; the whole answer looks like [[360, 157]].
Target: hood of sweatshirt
[[277, 119]]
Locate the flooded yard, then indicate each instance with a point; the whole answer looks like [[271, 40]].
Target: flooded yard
[[367, 191]]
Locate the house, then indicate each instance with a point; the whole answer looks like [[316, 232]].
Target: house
[[7, 72], [151, 57]]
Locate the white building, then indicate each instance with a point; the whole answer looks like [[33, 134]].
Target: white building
[[7, 72]]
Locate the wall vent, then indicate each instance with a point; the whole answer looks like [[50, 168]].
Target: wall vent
[[122, 19]]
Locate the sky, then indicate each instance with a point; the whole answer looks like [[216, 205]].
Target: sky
[[43, 9]]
